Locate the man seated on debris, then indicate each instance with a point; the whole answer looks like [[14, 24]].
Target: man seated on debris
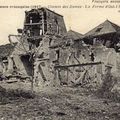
[[92, 56]]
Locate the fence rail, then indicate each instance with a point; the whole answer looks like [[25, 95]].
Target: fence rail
[[77, 65]]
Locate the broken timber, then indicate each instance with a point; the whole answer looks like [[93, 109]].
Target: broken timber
[[77, 65]]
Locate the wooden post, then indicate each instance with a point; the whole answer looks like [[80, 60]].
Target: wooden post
[[43, 23], [67, 75], [32, 76]]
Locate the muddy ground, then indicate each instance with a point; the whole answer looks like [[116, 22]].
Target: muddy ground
[[59, 104]]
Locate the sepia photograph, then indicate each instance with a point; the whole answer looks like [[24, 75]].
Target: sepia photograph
[[60, 60]]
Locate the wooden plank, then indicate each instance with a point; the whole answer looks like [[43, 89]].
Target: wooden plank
[[43, 59], [35, 37], [30, 24], [14, 35], [78, 65]]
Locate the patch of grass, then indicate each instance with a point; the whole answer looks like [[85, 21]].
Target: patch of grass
[[11, 94], [106, 89]]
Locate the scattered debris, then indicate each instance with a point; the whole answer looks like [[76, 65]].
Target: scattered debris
[[47, 99]]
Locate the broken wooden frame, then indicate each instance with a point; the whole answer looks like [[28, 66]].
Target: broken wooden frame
[[59, 68]]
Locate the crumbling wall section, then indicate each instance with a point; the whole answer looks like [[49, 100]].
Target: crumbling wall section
[[106, 56], [70, 55], [79, 53], [1, 68], [43, 69], [20, 49], [55, 23]]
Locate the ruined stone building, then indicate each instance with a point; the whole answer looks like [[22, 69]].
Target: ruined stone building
[[104, 40], [41, 27], [98, 45], [58, 55]]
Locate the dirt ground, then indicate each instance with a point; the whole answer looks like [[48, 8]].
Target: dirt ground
[[60, 104]]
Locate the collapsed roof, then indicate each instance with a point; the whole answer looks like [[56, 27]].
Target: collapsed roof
[[70, 35], [73, 35], [43, 8], [106, 27]]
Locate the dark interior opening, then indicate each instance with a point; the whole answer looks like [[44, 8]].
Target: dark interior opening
[[40, 20], [50, 40], [27, 64], [56, 21], [4, 58], [37, 42], [33, 18], [57, 54]]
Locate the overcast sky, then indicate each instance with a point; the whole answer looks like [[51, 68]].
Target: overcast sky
[[78, 19]]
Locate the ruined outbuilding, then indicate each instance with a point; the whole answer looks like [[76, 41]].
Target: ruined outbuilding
[[104, 40], [49, 54], [32, 55]]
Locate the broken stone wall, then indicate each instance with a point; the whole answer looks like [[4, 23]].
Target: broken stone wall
[[1, 67], [106, 56], [80, 53], [70, 55], [118, 63], [43, 73], [10, 65], [20, 49], [55, 24]]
